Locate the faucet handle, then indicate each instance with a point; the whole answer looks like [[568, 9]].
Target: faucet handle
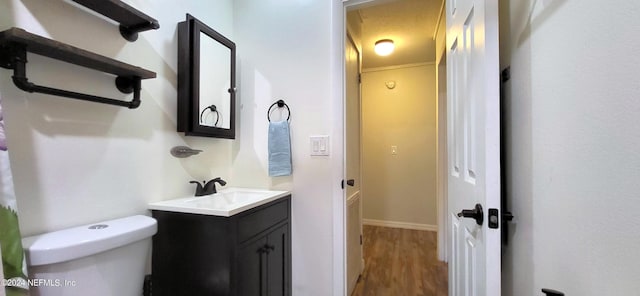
[[550, 292], [199, 188]]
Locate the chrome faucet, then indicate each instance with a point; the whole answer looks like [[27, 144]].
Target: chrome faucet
[[206, 188]]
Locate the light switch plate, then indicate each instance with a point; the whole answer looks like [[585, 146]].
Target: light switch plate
[[319, 145]]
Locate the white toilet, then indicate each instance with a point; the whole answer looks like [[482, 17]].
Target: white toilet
[[102, 259]]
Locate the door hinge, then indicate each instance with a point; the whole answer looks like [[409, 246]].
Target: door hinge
[[361, 239], [505, 75], [359, 78]]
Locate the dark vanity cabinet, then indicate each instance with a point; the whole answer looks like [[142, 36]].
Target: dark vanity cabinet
[[270, 254], [248, 254]]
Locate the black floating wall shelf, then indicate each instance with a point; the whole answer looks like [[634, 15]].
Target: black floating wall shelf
[[16, 42], [131, 20]]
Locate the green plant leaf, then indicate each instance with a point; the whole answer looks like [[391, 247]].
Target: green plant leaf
[[13, 291], [11, 244]]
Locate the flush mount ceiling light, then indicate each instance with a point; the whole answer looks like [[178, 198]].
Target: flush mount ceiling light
[[384, 47]]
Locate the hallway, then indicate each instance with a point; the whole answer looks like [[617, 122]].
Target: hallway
[[401, 262]]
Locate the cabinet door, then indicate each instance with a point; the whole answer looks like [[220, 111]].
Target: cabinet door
[[279, 262], [252, 268]]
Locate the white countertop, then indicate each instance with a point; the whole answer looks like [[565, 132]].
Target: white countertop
[[227, 202]]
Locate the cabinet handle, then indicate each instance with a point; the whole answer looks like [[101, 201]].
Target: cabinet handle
[[269, 248], [263, 282], [266, 249], [262, 250], [263, 272]]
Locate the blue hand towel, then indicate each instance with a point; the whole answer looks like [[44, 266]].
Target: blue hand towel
[[279, 149]]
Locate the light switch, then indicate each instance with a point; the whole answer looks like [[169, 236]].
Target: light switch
[[394, 150], [319, 145]]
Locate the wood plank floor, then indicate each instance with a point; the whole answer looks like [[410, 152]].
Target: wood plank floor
[[401, 262]]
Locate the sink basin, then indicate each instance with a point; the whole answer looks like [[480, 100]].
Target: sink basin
[[226, 202]]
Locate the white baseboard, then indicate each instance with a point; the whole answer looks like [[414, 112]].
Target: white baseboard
[[404, 225]]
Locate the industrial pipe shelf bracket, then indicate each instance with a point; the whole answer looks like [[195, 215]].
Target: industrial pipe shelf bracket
[[15, 43]]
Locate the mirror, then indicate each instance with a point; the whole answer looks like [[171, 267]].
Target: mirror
[[206, 81]]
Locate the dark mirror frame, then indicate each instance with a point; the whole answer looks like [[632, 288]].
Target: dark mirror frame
[[189, 80]]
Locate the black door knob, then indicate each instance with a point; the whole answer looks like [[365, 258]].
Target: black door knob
[[476, 214], [350, 182]]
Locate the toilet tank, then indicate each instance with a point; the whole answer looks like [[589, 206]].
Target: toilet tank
[[102, 259]]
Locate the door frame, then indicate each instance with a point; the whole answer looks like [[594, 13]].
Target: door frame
[[340, 285], [441, 134], [442, 156]]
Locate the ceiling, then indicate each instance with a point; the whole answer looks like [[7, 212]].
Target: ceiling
[[409, 23]]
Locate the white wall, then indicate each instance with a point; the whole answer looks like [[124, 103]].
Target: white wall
[[572, 146], [400, 187], [284, 52], [77, 162]]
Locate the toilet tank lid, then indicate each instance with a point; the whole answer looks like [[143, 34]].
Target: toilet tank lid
[[82, 241]]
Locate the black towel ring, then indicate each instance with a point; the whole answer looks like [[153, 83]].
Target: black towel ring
[[280, 104], [213, 109]]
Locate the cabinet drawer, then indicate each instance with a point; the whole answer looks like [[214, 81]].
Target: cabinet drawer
[[262, 219]]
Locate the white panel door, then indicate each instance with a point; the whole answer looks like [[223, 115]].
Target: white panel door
[[473, 131], [352, 153]]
